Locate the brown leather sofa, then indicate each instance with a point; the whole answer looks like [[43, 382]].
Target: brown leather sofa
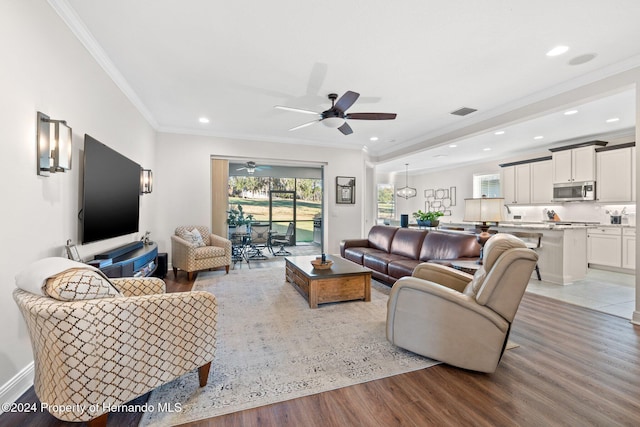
[[392, 252]]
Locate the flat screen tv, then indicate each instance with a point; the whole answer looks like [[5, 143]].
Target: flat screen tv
[[111, 193]]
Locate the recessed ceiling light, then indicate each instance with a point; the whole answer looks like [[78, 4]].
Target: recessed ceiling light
[[452, 145], [500, 132], [373, 138], [570, 112], [558, 50], [486, 149], [538, 137], [613, 120], [203, 120]]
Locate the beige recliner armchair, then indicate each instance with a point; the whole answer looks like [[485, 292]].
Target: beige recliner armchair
[[459, 319], [194, 248], [99, 343]]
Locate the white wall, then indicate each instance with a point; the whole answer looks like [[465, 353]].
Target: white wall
[[461, 178], [182, 178], [45, 68]]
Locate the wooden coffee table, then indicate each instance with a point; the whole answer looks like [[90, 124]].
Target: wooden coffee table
[[344, 281]]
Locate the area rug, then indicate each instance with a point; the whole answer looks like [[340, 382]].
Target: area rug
[[272, 347]]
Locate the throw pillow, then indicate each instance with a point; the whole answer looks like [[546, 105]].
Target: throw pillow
[[79, 284], [194, 237]]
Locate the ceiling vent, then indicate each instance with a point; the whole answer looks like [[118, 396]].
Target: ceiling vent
[[463, 111]]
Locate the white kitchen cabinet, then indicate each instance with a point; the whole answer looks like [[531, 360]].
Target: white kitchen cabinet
[[542, 182], [508, 184], [604, 246], [614, 182], [629, 248], [516, 184], [577, 164]]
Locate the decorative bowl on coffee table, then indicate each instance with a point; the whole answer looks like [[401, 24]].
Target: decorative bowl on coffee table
[[318, 264]]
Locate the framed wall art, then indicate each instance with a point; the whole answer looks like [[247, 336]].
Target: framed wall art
[[440, 199], [345, 190]]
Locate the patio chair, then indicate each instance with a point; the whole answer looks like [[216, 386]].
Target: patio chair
[[283, 240]]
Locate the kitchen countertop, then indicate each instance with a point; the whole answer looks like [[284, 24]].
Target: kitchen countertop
[[540, 225], [562, 225]]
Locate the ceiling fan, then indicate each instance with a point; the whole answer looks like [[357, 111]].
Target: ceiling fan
[[335, 117], [251, 167]]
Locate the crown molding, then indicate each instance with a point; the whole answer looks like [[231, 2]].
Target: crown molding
[[82, 33]]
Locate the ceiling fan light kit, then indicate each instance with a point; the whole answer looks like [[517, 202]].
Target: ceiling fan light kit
[[251, 167], [335, 116], [333, 122]]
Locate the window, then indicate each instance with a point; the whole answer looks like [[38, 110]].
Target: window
[[386, 201], [486, 185]]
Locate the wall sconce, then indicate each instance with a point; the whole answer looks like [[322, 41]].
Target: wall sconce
[[146, 181], [54, 154]]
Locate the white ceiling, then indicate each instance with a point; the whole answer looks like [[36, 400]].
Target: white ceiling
[[232, 62]]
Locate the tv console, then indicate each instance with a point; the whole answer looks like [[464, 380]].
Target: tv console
[[132, 260]]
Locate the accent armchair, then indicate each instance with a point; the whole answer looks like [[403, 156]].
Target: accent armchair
[[459, 319], [194, 248], [99, 343]]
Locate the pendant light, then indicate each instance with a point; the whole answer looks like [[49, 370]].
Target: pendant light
[[406, 192]]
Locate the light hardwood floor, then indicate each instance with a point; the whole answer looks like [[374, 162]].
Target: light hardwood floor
[[574, 367]]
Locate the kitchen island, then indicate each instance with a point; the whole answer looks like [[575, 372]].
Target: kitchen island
[[563, 250]]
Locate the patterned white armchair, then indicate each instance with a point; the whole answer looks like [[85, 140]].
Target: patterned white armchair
[[99, 343], [194, 248]]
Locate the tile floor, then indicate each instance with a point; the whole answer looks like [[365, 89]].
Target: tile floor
[[601, 290], [605, 291]]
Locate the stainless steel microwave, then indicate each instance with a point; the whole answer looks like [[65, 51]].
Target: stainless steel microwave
[[574, 191]]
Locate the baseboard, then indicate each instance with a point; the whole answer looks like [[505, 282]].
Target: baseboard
[[16, 386]]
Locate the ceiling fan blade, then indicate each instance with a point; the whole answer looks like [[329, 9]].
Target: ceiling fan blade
[[371, 116], [296, 110], [346, 100], [345, 129], [304, 125]]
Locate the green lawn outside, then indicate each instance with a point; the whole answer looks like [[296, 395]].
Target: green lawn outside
[[259, 208]]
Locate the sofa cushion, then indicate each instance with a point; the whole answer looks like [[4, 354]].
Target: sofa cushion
[[381, 236], [207, 252], [448, 246], [378, 261], [356, 254], [401, 268], [194, 237], [79, 284], [408, 242]]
